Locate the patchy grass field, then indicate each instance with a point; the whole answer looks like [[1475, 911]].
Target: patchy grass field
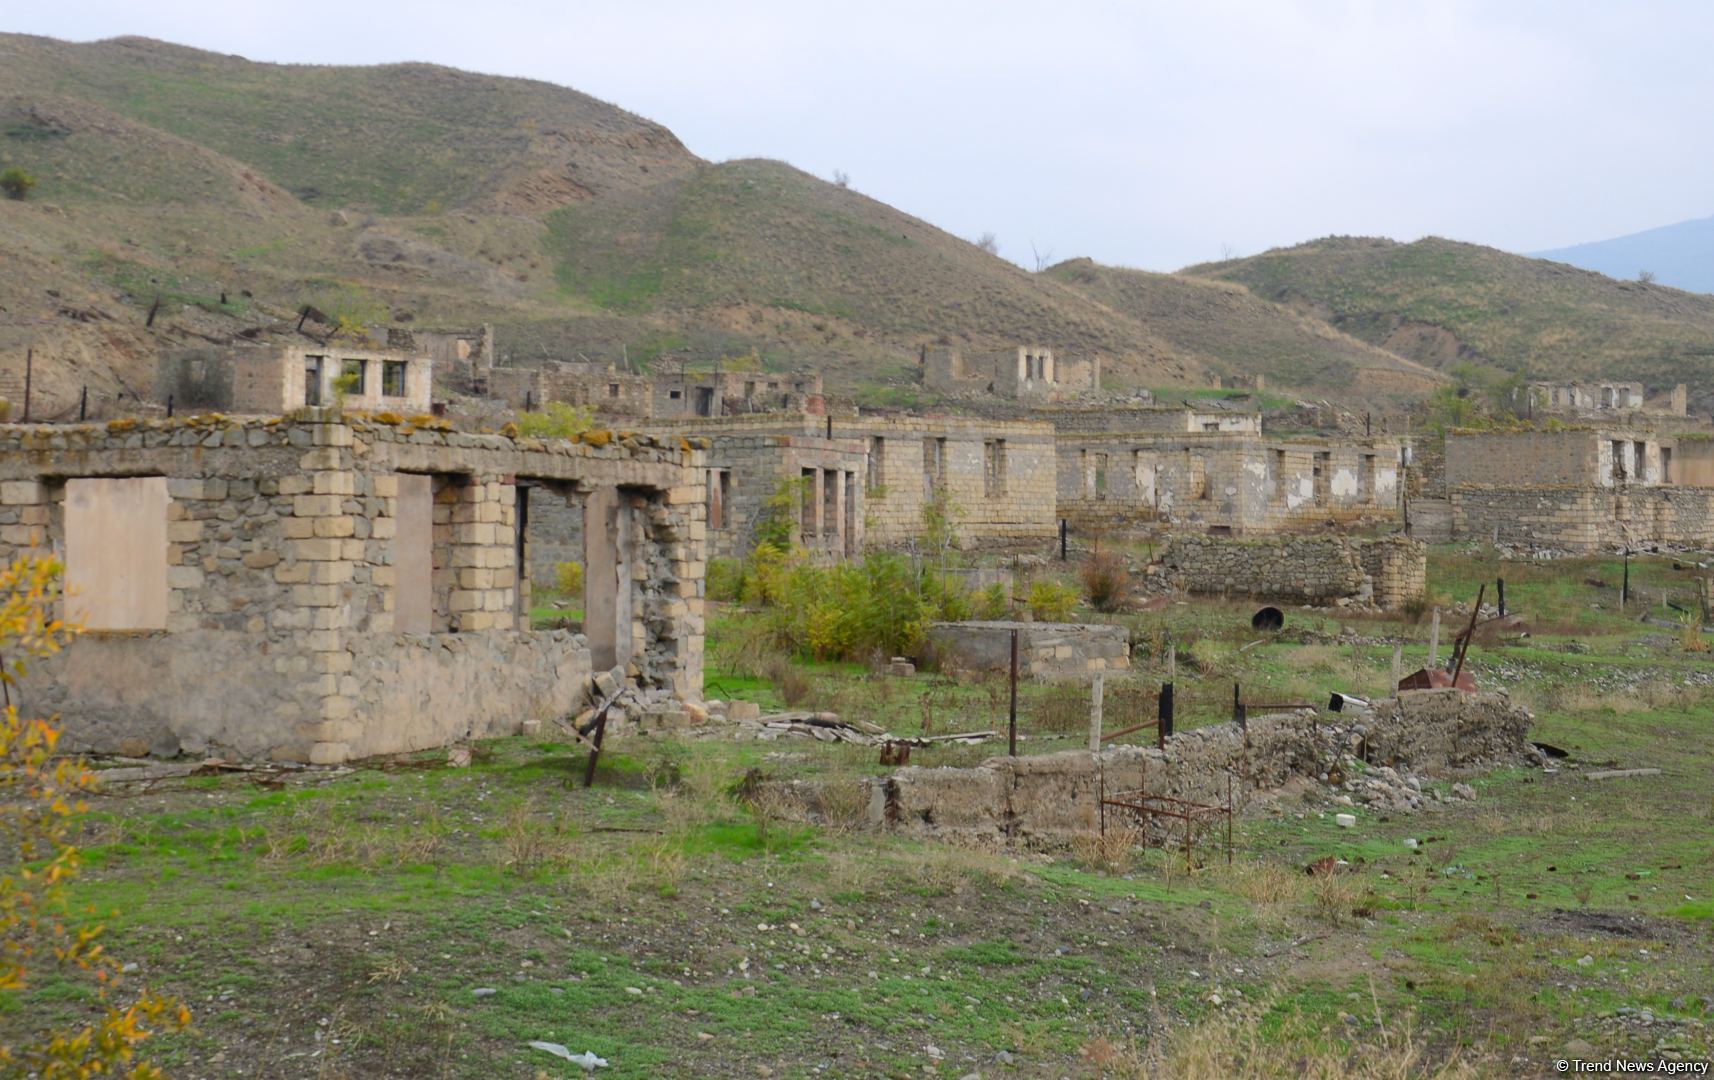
[[411, 920]]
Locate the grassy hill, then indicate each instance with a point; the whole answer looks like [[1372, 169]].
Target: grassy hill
[[1440, 302], [1239, 333]]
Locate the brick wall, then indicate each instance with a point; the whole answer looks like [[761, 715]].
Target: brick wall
[[1585, 518], [1389, 572]]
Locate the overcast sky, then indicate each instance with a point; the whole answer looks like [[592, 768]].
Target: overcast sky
[[1151, 134]]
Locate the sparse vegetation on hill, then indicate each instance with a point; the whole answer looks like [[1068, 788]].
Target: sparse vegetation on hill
[[1242, 334], [1440, 302]]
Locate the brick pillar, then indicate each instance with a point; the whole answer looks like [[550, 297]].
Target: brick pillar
[[322, 532], [484, 556]]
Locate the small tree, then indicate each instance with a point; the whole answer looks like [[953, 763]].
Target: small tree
[[1646, 276], [16, 183], [989, 242], [841, 178], [40, 934]]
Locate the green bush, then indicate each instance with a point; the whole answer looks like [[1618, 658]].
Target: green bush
[[16, 183], [993, 603], [849, 610], [568, 578], [1051, 601], [725, 579], [557, 420]]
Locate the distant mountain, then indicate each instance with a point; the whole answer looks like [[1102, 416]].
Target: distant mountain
[[1441, 302], [1679, 255]]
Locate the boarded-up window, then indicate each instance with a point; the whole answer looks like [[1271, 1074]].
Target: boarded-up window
[[413, 555], [829, 503], [1322, 476], [808, 503], [994, 476], [116, 553], [1366, 479], [877, 461], [719, 489]]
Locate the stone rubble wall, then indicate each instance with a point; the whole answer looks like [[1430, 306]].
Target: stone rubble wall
[[1045, 650], [1389, 572], [1048, 801]]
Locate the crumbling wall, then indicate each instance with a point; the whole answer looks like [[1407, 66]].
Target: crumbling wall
[[1045, 650], [285, 568], [1389, 572], [1047, 801]]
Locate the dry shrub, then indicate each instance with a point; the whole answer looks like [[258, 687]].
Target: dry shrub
[[1111, 852], [793, 684], [1106, 580], [844, 805], [529, 844], [1271, 887], [1247, 1041], [1335, 897]]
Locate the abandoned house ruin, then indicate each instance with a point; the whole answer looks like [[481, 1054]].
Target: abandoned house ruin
[[274, 379], [320, 588], [1389, 573], [994, 476], [1027, 373], [1580, 488]]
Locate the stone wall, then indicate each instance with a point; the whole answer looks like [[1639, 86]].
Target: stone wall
[[998, 475], [1045, 650], [1389, 572], [1238, 483], [327, 577], [1604, 457], [1153, 419], [1050, 800], [829, 479], [1585, 518]]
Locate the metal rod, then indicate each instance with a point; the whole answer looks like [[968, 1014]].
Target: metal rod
[[29, 372], [1163, 726], [1228, 817], [1061, 539], [1470, 632], [1624, 590], [1012, 726], [169, 404], [1122, 732], [83, 405], [1500, 584]]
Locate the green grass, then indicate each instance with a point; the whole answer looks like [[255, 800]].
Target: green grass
[[278, 914]]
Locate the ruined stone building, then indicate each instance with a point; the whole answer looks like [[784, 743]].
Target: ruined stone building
[[1609, 402], [1224, 482], [735, 393], [1579, 488], [275, 379], [996, 476], [602, 388], [319, 589], [1028, 373]]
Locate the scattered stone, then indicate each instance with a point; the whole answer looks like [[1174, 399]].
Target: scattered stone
[[484, 991], [744, 710], [1345, 821], [1464, 791]]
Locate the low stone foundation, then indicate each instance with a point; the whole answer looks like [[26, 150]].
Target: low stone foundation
[[1048, 800], [1045, 650]]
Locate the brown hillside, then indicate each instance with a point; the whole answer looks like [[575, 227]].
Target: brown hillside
[[1239, 333]]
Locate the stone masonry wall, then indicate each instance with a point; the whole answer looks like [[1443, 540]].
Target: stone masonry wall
[[1388, 572], [1045, 650], [282, 570], [1016, 503], [1585, 518]]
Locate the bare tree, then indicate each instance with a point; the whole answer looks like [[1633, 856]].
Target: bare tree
[[1043, 258], [1227, 252], [1646, 276], [842, 178], [989, 242]]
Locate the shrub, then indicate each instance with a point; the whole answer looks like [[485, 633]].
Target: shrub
[[1051, 601], [43, 937], [1106, 581], [16, 183], [993, 603], [556, 420], [568, 578], [725, 579]]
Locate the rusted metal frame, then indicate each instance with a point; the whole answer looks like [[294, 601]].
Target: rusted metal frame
[[1134, 728], [1469, 633]]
